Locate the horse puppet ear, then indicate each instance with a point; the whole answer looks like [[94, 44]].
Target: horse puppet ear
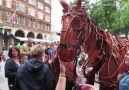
[[63, 3], [78, 2]]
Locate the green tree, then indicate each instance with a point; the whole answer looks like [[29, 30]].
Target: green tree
[[110, 15], [116, 24], [125, 17], [102, 12], [121, 22]]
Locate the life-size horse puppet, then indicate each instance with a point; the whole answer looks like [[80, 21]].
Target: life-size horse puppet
[[104, 50]]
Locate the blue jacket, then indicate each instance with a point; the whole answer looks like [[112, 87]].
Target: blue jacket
[[124, 82], [11, 70]]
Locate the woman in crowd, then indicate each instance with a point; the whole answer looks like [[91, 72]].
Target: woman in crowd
[[11, 66]]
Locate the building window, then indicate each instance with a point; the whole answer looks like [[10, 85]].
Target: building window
[[48, 29], [47, 9], [40, 5], [32, 2], [0, 2], [23, 20], [33, 24], [41, 26], [48, 1], [31, 11], [38, 26], [20, 7], [29, 22], [47, 18], [9, 3], [45, 36], [8, 17], [18, 20], [40, 15], [45, 27]]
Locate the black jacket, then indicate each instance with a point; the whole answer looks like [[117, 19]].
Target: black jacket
[[34, 75], [11, 70]]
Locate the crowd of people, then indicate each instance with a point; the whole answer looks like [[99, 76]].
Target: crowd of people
[[30, 67]]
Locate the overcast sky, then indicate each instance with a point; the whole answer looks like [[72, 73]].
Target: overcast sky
[[56, 15]]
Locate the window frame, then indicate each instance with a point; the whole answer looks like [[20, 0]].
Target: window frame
[[8, 16], [9, 3], [40, 6], [1, 2]]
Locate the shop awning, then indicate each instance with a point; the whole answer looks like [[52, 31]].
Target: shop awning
[[35, 40], [54, 38]]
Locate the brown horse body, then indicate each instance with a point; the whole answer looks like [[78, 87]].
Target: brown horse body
[[102, 47]]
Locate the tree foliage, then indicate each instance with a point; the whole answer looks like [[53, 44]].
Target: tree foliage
[[102, 11], [110, 14]]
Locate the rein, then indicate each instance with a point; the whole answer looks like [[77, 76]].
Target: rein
[[108, 77], [110, 84]]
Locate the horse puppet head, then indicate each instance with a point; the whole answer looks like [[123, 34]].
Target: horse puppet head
[[72, 33]]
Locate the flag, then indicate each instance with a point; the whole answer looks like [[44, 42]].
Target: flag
[[13, 18]]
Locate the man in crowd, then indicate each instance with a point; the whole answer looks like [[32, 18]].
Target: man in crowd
[[25, 49], [35, 74]]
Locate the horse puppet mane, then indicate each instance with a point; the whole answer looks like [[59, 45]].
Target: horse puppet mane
[[102, 46]]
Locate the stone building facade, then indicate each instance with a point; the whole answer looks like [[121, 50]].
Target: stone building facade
[[24, 18]]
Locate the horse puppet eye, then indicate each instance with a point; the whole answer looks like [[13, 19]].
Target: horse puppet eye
[[78, 20], [76, 23]]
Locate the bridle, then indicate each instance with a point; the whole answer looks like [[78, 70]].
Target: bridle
[[76, 44], [73, 13]]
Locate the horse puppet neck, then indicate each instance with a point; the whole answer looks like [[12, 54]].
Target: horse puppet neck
[[101, 45]]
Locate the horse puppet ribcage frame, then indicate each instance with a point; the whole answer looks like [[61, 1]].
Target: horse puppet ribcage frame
[[100, 45]]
